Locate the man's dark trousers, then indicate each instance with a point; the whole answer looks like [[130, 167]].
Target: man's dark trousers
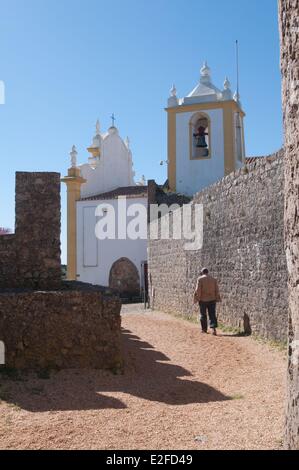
[[211, 308]]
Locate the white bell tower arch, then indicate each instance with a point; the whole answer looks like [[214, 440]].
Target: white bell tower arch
[[205, 135]]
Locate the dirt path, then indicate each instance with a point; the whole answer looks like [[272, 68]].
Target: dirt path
[[180, 390]]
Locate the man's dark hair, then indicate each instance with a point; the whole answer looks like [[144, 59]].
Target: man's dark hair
[[205, 271]]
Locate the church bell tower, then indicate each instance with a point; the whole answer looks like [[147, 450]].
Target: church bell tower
[[205, 135]]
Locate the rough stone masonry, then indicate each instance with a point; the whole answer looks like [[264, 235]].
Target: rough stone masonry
[[30, 258], [289, 33], [45, 322], [243, 246]]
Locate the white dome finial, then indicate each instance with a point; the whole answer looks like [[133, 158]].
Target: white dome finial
[[142, 182], [173, 91], [74, 155], [127, 142], [98, 128], [205, 73], [226, 92], [205, 70], [237, 97], [226, 84], [173, 99]]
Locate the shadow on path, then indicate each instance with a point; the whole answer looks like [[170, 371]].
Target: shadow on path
[[148, 375]]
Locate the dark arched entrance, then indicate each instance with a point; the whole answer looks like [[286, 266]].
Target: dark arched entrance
[[124, 278]]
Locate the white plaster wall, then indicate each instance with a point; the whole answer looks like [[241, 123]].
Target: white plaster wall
[[103, 253], [194, 175], [114, 168]]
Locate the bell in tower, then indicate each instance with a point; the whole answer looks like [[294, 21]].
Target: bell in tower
[[205, 135]]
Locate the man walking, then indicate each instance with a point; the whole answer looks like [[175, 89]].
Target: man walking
[[207, 295]]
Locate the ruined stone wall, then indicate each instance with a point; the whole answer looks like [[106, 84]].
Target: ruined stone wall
[[8, 268], [38, 230], [289, 33], [45, 322], [31, 257], [242, 246], [75, 327]]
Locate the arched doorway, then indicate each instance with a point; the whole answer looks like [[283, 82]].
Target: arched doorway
[[124, 278]]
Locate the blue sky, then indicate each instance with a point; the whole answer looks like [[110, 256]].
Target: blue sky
[[66, 63]]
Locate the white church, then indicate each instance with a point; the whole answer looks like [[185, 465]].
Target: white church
[[205, 143]]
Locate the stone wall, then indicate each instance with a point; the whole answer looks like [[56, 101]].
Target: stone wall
[[75, 327], [7, 260], [45, 322], [242, 246], [31, 257], [289, 33], [38, 230]]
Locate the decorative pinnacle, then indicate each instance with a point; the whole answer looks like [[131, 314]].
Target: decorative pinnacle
[[205, 70], [127, 142], [74, 155], [173, 91], [98, 128], [237, 97], [226, 84]]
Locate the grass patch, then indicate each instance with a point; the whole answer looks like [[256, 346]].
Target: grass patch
[[190, 318], [238, 396], [231, 329], [15, 407], [281, 346]]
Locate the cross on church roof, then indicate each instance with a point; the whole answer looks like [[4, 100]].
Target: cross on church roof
[[113, 119]]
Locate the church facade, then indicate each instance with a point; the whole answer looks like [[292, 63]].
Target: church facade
[[104, 186], [205, 143]]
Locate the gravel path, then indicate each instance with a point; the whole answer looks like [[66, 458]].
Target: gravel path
[[180, 390]]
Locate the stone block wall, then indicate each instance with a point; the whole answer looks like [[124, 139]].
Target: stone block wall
[[8, 260], [38, 230], [75, 327], [31, 257], [45, 322], [289, 34], [242, 246]]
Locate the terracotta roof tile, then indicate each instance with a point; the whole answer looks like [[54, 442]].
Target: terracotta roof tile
[[253, 159], [137, 191]]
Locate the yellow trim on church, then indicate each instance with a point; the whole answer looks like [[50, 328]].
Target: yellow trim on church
[[73, 182], [172, 151], [95, 151]]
